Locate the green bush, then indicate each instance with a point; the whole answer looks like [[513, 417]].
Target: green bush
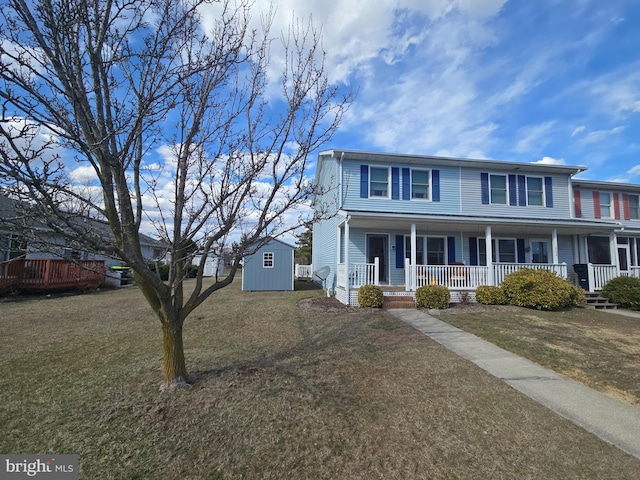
[[489, 295], [625, 291], [433, 296], [370, 296], [541, 289]]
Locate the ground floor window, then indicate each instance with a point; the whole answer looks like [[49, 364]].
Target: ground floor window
[[539, 251], [599, 250], [503, 250], [267, 259], [434, 254]]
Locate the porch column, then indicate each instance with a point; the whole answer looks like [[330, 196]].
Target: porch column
[[554, 246], [414, 255], [346, 258], [489, 254], [613, 244]]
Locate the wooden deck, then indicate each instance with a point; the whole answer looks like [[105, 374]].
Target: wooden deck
[[39, 275]]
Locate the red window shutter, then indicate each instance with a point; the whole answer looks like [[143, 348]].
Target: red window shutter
[[616, 206], [626, 207], [596, 205], [577, 201]]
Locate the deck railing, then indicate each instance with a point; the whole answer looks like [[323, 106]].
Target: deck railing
[[501, 270], [50, 273], [599, 275], [304, 271]]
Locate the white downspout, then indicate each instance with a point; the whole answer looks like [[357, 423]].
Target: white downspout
[[346, 257], [413, 256]]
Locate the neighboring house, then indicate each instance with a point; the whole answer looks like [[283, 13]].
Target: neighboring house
[[36, 244], [410, 220], [269, 267]]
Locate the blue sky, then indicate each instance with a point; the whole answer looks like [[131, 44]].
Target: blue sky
[[547, 80]]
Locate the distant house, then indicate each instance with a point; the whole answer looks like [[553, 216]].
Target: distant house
[[270, 267]]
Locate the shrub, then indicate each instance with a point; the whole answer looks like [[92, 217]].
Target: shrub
[[489, 295], [540, 289], [625, 291], [433, 296], [370, 296]]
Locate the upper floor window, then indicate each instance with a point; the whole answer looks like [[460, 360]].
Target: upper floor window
[[498, 189], [420, 184], [634, 207], [605, 205], [535, 191], [267, 260], [379, 182]]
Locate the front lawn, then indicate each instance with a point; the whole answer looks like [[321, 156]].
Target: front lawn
[[597, 348], [281, 392]]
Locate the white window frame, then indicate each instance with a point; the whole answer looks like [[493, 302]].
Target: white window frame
[[609, 204], [506, 189], [495, 250], [539, 240], [268, 258], [425, 252], [542, 192], [371, 181], [429, 184]]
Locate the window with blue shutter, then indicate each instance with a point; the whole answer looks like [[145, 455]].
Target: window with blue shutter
[[513, 197], [406, 184], [395, 183], [364, 181], [399, 251], [484, 184], [435, 189], [451, 250], [548, 191], [520, 250], [473, 250]]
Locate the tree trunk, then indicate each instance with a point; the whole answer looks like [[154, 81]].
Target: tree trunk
[[175, 369]]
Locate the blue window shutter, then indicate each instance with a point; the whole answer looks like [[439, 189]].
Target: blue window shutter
[[451, 250], [473, 250], [513, 197], [395, 183], [520, 250], [406, 184], [548, 191], [399, 251], [522, 190], [364, 181], [484, 184], [435, 189]]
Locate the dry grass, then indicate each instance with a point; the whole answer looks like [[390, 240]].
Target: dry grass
[[280, 392], [597, 348]]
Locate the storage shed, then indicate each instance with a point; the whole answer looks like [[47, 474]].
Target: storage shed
[[270, 267]]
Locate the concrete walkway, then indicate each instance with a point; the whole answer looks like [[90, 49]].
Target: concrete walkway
[[612, 421]]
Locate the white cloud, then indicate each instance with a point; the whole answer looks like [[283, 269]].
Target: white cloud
[[534, 138], [635, 170], [578, 130], [551, 161], [84, 175]]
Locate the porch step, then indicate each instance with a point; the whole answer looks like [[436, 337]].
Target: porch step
[[598, 302], [398, 302]]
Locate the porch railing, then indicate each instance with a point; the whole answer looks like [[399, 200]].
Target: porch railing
[[359, 274], [501, 270], [304, 271], [599, 275], [462, 277]]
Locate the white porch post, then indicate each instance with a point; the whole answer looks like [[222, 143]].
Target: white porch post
[[376, 271], [414, 255], [554, 246], [576, 249], [613, 244], [489, 254], [346, 258]]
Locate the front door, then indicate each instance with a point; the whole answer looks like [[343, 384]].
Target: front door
[[377, 246], [623, 258]]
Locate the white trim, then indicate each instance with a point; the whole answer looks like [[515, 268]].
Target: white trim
[[265, 260]]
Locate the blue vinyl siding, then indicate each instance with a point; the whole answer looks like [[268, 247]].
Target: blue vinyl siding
[[445, 190]]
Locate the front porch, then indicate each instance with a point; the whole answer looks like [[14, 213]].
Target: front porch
[[461, 280]]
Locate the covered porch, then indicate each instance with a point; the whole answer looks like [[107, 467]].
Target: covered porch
[[462, 255]]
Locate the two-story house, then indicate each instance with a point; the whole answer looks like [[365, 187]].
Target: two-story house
[[409, 220]]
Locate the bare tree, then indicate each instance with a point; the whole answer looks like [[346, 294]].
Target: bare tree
[[105, 83]]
